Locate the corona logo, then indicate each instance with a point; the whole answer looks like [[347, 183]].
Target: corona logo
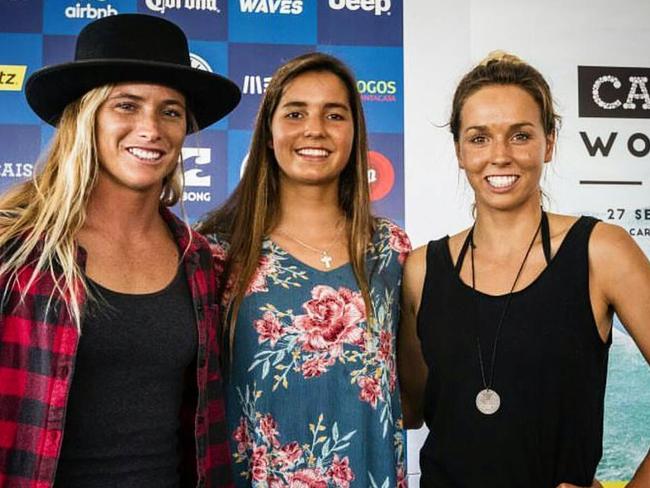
[[198, 62], [161, 6]]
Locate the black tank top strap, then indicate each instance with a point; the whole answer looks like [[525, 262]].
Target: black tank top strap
[[463, 251], [546, 238]]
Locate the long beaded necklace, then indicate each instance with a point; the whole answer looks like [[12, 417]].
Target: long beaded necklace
[[488, 400]]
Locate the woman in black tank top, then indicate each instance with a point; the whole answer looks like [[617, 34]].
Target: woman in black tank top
[[506, 326]]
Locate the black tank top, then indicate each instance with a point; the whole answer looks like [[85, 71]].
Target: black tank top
[[122, 420], [550, 373]]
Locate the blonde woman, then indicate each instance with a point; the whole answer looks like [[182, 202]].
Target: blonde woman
[[512, 318], [107, 322], [312, 291]]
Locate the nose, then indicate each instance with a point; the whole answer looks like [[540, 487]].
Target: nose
[[314, 127], [500, 153], [149, 125]]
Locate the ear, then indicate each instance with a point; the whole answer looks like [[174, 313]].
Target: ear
[[458, 156], [550, 147]]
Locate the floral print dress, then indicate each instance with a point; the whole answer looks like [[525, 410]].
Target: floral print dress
[[312, 393]]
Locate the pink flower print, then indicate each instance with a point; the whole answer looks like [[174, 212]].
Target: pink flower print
[[259, 463], [316, 366], [399, 242], [258, 281], [385, 345], [370, 390], [275, 482], [402, 481], [331, 320], [392, 375], [340, 472], [269, 428], [269, 328], [308, 478], [290, 453], [241, 436]]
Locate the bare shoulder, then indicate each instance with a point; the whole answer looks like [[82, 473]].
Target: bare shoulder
[[415, 269], [612, 245], [456, 242]]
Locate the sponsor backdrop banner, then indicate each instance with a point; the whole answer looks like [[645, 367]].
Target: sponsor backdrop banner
[[244, 39], [594, 55]]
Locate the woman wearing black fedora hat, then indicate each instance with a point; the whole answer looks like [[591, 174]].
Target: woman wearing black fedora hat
[[107, 320]]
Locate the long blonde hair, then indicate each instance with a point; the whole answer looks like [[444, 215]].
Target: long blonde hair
[[47, 212], [252, 211]]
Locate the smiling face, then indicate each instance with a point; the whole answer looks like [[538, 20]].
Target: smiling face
[[312, 130], [140, 130], [502, 146]]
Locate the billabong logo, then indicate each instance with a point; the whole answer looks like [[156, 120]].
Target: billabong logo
[[198, 62], [161, 6], [255, 84], [613, 92], [378, 7], [381, 175], [12, 77], [196, 177], [377, 90], [87, 11], [285, 7]]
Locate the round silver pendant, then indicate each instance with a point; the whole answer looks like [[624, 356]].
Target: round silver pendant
[[488, 401]]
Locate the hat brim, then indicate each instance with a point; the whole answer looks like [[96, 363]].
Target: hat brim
[[209, 96]]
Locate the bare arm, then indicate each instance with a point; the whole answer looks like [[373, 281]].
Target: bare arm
[[620, 281], [411, 367]]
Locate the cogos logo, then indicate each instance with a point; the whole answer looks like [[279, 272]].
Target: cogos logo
[[381, 175], [377, 90], [87, 11], [12, 77], [285, 7], [197, 177], [613, 92], [378, 7], [255, 84], [198, 62], [161, 6]]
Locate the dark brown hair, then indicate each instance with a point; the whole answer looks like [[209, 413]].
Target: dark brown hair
[[252, 211]]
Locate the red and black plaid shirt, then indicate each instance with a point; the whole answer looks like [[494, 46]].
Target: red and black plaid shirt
[[38, 345]]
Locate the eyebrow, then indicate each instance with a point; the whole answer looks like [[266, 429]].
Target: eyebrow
[[518, 125], [329, 105], [137, 98]]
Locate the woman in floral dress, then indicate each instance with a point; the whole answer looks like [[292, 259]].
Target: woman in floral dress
[[311, 286]]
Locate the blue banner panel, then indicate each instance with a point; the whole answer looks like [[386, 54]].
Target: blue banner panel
[[21, 16], [386, 175], [20, 146], [20, 56], [200, 19], [364, 22], [213, 57], [251, 67], [271, 20], [206, 165], [238, 145], [70, 16], [380, 80], [58, 49]]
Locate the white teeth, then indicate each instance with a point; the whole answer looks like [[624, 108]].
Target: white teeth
[[144, 154], [313, 152], [501, 181]]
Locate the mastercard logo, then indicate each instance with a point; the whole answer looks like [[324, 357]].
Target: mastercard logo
[[381, 175]]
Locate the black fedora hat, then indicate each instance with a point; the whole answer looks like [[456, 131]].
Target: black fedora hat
[[127, 48]]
